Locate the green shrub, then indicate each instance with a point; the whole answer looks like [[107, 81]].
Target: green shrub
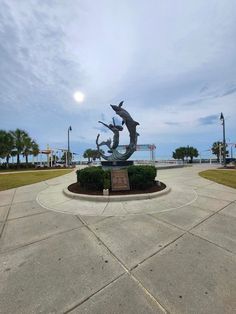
[[107, 179], [141, 177], [94, 178]]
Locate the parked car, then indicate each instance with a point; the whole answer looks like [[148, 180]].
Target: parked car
[[59, 165], [230, 160]]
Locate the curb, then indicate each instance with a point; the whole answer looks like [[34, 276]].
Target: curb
[[114, 198]]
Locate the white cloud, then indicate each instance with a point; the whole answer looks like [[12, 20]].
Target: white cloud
[[172, 63]]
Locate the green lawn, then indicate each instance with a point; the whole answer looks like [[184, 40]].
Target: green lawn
[[14, 180], [226, 177]]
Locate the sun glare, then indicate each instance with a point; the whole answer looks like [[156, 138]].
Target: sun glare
[[79, 96]]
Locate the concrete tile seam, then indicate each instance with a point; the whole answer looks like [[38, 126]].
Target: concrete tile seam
[[157, 252], [105, 207], [18, 247], [5, 220], [122, 265], [22, 202], [127, 213], [4, 205], [66, 212], [93, 294], [215, 244], [221, 199], [208, 217], [189, 231], [166, 222], [102, 219], [173, 208], [53, 209], [35, 214], [146, 291], [214, 198], [100, 241], [219, 211]]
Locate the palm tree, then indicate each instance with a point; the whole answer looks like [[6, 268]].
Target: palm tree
[[27, 148], [218, 150], [88, 154], [20, 138], [30, 148], [192, 152], [34, 148], [6, 145]]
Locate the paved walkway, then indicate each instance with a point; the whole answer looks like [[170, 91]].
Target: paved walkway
[[174, 254]]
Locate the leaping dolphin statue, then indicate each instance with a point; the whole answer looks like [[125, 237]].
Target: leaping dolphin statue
[[128, 121]]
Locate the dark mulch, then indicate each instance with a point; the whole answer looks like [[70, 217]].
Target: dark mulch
[[76, 188]]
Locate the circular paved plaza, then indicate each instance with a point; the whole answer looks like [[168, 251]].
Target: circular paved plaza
[[171, 254]]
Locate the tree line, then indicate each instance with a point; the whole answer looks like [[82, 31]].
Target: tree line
[[92, 154], [16, 143], [183, 153]]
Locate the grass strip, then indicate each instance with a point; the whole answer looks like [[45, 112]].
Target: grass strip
[[225, 177], [14, 180]]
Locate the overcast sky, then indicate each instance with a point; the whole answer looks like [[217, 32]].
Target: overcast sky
[[171, 61]]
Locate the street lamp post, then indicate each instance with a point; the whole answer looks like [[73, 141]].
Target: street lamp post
[[224, 148], [68, 151]]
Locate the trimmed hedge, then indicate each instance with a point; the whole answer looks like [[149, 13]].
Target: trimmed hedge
[[3, 166], [95, 178], [141, 177], [91, 178]]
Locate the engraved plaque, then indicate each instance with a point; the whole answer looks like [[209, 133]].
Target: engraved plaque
[[119, 180]]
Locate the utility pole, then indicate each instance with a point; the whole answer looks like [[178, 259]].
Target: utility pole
[[220, 154], [68, 151]]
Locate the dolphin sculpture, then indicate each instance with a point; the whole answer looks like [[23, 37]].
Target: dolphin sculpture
[[128, 121], [131, 126]]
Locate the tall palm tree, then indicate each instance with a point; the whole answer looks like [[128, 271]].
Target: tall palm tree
[[88, 154], [6, 145], [30, 148], [34, 148], [218, 150], [20, 138], [27, 148]]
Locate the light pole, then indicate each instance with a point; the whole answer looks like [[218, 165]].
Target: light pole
[[224, 148], [68, 151]]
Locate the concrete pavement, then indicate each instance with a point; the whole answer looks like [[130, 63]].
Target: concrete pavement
[[172, 254]]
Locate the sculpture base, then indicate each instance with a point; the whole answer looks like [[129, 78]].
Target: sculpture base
[[116, 164]]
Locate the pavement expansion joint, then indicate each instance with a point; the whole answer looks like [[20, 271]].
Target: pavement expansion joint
[[93, 294], [219, 246], [21, 217], [6, 218], [21, 246], [166, 222], [128, 271], [208, 217], [157, 252]]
